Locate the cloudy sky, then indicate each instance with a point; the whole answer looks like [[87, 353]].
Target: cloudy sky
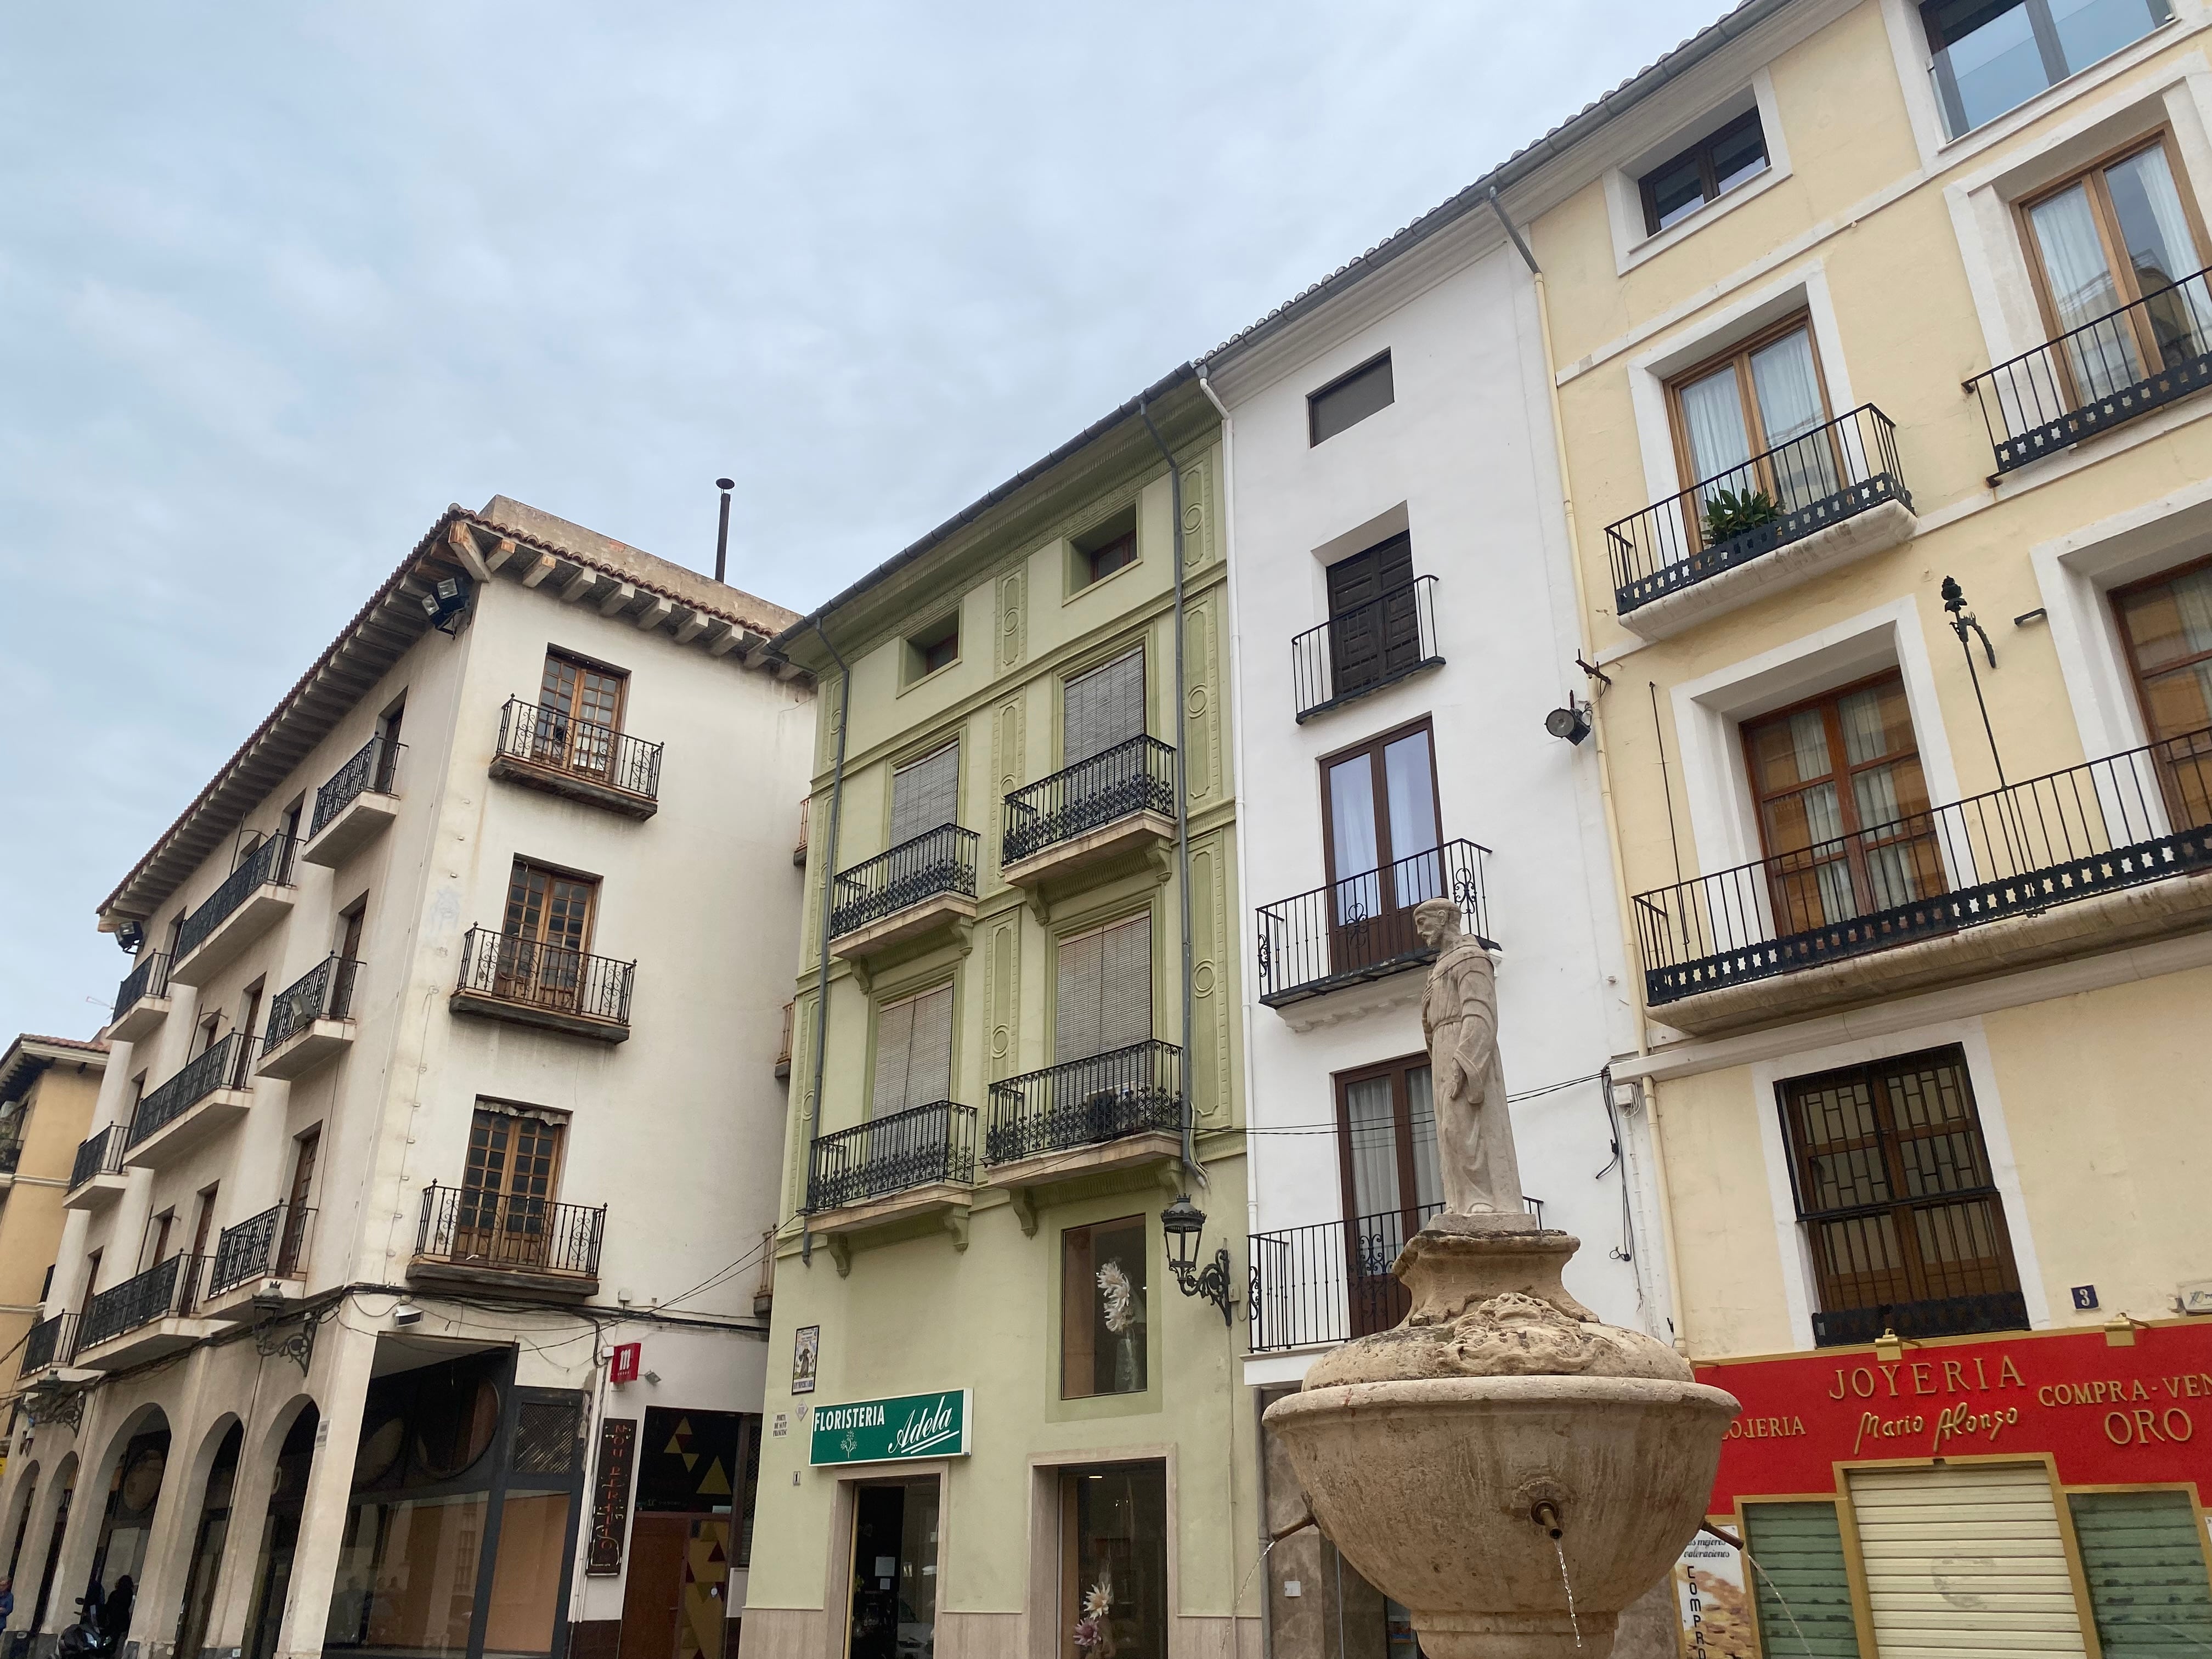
[[280, 280]]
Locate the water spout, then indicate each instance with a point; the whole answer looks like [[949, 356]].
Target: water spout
[[1545, 1515]]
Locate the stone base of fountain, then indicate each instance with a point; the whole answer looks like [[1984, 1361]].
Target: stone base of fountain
[[1510, 1469]]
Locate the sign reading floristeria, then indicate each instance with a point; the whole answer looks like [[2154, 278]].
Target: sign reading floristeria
[[886, 1431]]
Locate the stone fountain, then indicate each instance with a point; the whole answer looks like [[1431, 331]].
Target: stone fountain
[[1504, 1465]]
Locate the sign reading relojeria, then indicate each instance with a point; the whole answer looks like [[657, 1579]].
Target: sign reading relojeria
[[885, 1431]]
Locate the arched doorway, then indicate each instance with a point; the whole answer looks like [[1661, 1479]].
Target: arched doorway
[[208, 1540], [68, 1489], [280, 1535], [19, 1522], [126, 1525]]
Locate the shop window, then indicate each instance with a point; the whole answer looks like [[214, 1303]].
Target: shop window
[[2142, 1557], [1103, 1332], [1103, 992], [935, 647], [1900, 1211], [1802, 1588], [1751, 427], [1386, 1126], [1383, 845], [580, 710], [1102, 709], [1990, 56], [1099, 552], [925, 795], [2117, 234], [894, 1603], [280, 1536], [208, 1540], [1730, 155], [1350, 398], [913, 1052], [1374, 623], [1114, 1555], [2167, 624], [1842, 806], [127, 1526]]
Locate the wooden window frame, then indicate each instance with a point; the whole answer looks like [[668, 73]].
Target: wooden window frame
[[925, 642], [1843, 767], [1399, 1071], [561, 873], [1375, 1300], [1708, 175], [1738, 356], [1116, 534], [587, 664], [501, 1197], [1138, 1225], [1385, 853], [2135, 677]]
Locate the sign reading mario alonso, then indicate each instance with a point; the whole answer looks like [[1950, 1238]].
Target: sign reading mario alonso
[[2109, 1414]]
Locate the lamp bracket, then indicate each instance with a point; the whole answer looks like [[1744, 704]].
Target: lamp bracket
[[1209, 1283]]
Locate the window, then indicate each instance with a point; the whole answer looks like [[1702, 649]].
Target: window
[[1101, 551], [1894, 1187], [1374, 627], [913, 1052], [1383, 847], [204, 1221], [1750, 422], [1113, 1562], [1102, 1347], [1350, 399], [925, 795], [291, 1247], [2116, 234], [1680, 185], [1842, 806], [505, 1210], [936, 646], [579, 708], [1104, 1000], [350, 925], [1103, 710], [549, 907], [2167, 624], [1386, 1126], [1990, 56]]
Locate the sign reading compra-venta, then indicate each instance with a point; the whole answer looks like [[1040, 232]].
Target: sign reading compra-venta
[[906, 1425]]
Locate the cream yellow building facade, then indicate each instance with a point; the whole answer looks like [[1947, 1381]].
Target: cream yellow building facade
[[48, 1087]]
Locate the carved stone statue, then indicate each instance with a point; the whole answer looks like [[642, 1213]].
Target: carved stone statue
[[1459, 1019]]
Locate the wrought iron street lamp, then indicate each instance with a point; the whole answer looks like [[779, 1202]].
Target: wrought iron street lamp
[[1183, 1222]]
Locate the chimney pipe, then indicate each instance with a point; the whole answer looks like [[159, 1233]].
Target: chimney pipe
[[723, 535]]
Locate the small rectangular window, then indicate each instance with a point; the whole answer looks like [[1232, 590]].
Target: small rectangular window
[[1104, 549], [1350, 398], [1716, 163], [936, 646], [1102, 1309]]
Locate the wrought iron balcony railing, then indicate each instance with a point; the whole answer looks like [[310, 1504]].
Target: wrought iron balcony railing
[[271, 1245], [939, 860], [2107, 371], [1136, 776], [98, 1154], [2133, 817], [919, 1147], [167, 1290], [267, 865], [469, 1226], [51, 1342], [324, 992], [1362, 928], [1949, 1315], [1331, 1281], [1820, 478], [555, 740], [1087, 1103], [150, 978], [225, 1064], [532, 975], [371, 771], [11, 1155], [1366, 648]]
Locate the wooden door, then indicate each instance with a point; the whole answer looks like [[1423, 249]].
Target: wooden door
[[290, 1246], [505, 1213], [1384, 852], [578, 714], [1373, 631], [654, 1590], [548, 927]]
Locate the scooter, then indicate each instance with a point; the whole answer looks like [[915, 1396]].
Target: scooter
[[85, 1639]]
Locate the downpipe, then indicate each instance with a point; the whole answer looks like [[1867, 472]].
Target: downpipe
[[828, 892]]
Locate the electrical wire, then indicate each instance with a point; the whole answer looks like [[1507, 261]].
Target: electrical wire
[[1331, 1128]]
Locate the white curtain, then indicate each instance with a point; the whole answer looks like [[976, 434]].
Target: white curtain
[[1374, 1148], [2081, 290], [1352, 849], [2161, 250], [1712, 411], [1428, 1177], [1788, 391], [2192, 597]]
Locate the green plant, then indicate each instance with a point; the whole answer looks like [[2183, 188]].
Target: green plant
[[1728, 514]]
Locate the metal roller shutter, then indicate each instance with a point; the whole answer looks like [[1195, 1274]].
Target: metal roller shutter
[[1103, 710], [925, 795], [1803, 1590], [2143, 1555], [1966, 1563]]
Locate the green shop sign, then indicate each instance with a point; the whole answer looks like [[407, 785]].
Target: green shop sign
[[886, 1431]]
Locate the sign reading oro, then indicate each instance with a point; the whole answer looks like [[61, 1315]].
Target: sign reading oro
[[886, 1431]]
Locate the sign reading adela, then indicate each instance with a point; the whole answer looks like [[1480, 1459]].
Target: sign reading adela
[[885, 1431]]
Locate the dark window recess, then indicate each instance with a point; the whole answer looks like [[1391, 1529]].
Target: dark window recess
[[1111, 547], [1352, 399], [688, 1461], [933, 648], [1374, 629], [1715, 163]]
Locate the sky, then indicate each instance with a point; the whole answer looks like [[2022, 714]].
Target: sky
[[278, 282]]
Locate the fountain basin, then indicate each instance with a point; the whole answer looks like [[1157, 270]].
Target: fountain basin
[[1431, 1488]]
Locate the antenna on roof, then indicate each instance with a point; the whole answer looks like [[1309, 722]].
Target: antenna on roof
[[723, 535]]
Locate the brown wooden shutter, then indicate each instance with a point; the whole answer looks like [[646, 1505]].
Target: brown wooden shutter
[[1103, 708], [894, 1049], [925, 795], [1105, 993], [913, 1052], [1076, 1028]]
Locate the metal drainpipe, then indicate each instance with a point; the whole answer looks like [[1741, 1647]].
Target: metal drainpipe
[[1183, 797], [829, 888]]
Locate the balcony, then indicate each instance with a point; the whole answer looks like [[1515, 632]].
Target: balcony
[[1949, 1315], [547, 748], [142, 1001], [2084, 860], [311, 1021], [912, 1166], [357, 805], [1113, 1111], [208, 1094], [2105, 373], [2010, 54], [527, 984], [1361, 929], [783, 1042], [1117, 803], [254, 898], [471, 1237], [1366, 648], [145, 1318], [920, 888], [50, 1345], [1327, 1283], [258, 1264], [1823, 499], [97, 1178]]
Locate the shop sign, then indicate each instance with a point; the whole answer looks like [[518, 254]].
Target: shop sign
[[610, 1495], [886, 1431], [622, 1368], [2123, 1409], [1711, 1601]]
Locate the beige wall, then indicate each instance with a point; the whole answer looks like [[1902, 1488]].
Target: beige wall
[[57, 1114]]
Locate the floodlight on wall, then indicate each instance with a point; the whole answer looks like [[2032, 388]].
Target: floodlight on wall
[[1571, 723], [446, 604], [130, 935]]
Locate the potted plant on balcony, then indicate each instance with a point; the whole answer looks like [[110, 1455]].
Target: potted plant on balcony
[[1732, 515]]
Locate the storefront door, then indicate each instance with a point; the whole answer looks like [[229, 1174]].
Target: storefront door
[[1113, 1562], [894, 1605]]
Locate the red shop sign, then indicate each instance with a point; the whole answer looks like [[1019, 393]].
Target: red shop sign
[[623, 1367], [2109, 1415]]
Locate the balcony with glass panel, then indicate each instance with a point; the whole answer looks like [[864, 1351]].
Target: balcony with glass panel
[[1988, 59]]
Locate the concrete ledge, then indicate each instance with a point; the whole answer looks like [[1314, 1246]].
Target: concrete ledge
[[549, 1019], [198, 1123], [573, 786], [359, 821], [1856, 537], [1139, 832], [306, 1048], [506, 1278], [946, 1203], [235, 1306], [139, 1020], [262, 909], [148, 1341], [96, 1194], [1025, 1177], [938, 912], [2077, 927]]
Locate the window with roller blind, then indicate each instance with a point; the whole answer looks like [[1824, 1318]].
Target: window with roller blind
[[925, 795], [1103, 710], [1104, 989], [913, 1052]]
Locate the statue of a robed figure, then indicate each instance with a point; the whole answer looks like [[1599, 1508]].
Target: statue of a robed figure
[[1459, 1023]]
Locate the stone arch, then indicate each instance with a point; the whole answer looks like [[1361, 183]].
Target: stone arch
[[24, 1493], [202, 1530], [249, 1517], [145, 1420], [42, 1545]]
